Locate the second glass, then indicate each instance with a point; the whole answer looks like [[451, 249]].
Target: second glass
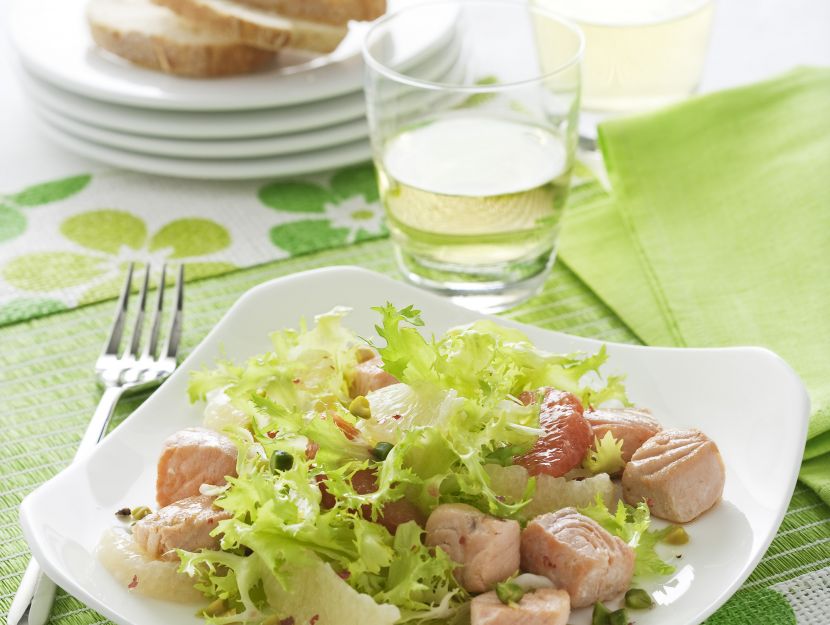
[[473, 126], [639, 54]]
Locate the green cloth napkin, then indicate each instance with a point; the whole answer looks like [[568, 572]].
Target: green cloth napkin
[[718, 231]]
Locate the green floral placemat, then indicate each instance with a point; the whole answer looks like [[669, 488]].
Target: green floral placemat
[[66, 242], [49, 393]]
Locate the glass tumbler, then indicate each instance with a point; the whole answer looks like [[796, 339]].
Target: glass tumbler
[[473, 110], [639, 54]]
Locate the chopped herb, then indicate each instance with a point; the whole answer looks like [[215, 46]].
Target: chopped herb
[[600, 614], [638, 599], [618, 617], [509, 592], [674, 535], [360, 407], [140, 512]]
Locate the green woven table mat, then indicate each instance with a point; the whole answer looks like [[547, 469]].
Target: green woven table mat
[[49, 393]]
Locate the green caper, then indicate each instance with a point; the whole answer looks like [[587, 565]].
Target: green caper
[[600, 614], [381, 450], [261, 392], [360, 407], [675, 535], [281, 461], [638, 599], [140, 512], [618, 617], [508, 592]]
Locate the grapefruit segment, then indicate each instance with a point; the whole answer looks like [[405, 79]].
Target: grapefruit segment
[[565, 439]]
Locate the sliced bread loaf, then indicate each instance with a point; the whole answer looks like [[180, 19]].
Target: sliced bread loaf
[[156, 38], [324, 11], [258, 27]]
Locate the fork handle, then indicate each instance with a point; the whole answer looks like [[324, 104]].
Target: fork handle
[[100, 420], [34, 597], [36, 593]]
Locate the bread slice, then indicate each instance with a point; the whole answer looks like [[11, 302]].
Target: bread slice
[[337, 12], [258, 27], [156, 38]]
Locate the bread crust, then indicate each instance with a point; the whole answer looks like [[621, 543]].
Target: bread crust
[[257, 27], [181, 59], [337, 12], [156, 38]]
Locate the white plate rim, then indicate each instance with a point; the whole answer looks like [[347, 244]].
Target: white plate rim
[[213, 125], [284, 165], [349, 274], [195, 125], [208, 149]]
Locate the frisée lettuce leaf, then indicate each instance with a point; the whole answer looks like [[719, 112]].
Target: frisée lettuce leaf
[[486, 362], [631, 525], [279, 518], [605, 456], [454, 410]]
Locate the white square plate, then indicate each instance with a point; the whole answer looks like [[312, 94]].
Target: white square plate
[[747, 399]]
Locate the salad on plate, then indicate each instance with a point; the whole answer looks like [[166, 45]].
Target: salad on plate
[[464, 478]]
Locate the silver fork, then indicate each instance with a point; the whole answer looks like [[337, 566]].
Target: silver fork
[[117, 373]]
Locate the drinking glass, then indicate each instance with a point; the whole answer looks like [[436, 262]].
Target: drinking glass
[[639, 54], [473, 111]]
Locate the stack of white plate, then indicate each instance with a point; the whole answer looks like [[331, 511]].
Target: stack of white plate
[[303, 114]]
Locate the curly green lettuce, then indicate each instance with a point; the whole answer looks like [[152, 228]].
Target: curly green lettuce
[[455, 411], [631, 525], [605, 456]]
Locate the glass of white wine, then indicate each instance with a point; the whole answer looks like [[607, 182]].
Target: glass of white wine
[[473, 111], [639, 54]]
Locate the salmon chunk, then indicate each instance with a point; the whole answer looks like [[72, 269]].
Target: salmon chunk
[[577, 554], [679, 473], [393, 514], [545, 606], [185, 524], [565, 439], [633, 427], [369, 376], [486, 548], [190, 458]]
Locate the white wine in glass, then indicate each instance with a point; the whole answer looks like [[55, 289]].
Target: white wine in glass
[[639, 54], [466, 192]]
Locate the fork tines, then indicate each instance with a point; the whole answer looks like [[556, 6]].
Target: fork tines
[[150, 352]]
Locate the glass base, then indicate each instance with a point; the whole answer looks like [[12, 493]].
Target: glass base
[[481, 290]]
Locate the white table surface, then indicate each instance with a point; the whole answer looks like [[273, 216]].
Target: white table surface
[[751, 40]]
